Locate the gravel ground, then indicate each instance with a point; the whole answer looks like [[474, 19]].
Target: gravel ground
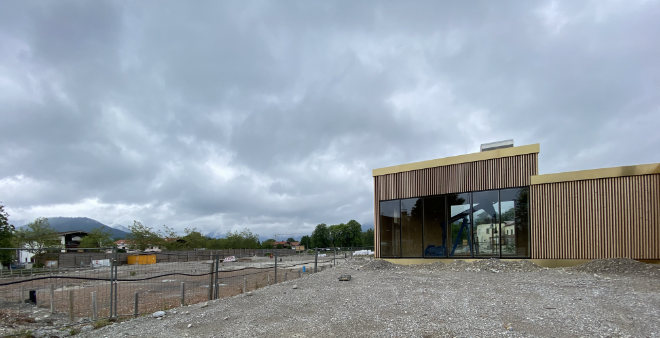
[[483, 298]]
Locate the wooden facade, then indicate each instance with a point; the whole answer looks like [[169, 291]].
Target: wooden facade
[[605, 217], [589, 214], [497, 169]]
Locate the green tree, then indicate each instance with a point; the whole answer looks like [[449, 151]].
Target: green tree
[[290, 239], [37, 236], [6, 237], [354, 233], [338, 235], [306, 241], [268, 244], [368, 238], [194, 239], [242, 240], [142, 236], [321, 236], [97, 238], [171, 240]]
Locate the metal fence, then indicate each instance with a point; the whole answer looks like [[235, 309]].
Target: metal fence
[[92, 285]]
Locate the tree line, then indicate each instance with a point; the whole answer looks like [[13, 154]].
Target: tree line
[[349, 234], [38, 235]]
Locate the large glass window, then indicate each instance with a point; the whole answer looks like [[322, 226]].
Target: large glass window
[[485, 208], [435, 238], [412, 215], [490, 223], [459, 224], [514, 222], [390, 228]]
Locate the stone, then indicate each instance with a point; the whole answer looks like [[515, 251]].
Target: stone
[[295, 286], [158, 314], [189, 325], [205, 304]]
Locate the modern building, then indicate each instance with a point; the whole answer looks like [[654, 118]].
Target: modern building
[[494, 204]]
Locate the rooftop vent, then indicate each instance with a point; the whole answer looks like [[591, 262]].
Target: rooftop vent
[[497, 145]]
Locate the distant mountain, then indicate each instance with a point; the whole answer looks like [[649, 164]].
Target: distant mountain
[[62, 224], [121, 227]]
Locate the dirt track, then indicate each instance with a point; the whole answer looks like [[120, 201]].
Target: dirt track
[[485, 298]]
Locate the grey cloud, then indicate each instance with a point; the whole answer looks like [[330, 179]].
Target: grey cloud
[[271, 116]]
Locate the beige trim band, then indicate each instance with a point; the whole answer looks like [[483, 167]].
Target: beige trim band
[[631, 170], [480, 156]]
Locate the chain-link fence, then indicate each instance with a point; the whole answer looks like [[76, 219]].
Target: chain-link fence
[[95, 284]]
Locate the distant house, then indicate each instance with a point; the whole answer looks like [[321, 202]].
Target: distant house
[[123, 244], [283, 244], [69, 240], [289, 245]]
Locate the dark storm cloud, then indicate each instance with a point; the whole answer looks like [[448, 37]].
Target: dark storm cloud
[[226, 115]]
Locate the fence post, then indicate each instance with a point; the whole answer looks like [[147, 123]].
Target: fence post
[[275, 267], [112, 283], [52, 300], [334, 257], [268, 278], [116, 293], [244, 284], [299, 273], [316, 261], [183, 293], [285, 275], [135, 310], [217, 265], [71, 306], [211, 281], [94, 314]]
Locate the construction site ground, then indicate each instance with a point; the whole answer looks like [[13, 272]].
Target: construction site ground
[[617, 297]]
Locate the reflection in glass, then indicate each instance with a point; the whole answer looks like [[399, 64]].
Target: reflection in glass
[[459, 224], [412, 212], [486, 226], [390, 229], [514, 222], [435, 241]]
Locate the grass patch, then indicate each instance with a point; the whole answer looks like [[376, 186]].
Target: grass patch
[[101, 323]]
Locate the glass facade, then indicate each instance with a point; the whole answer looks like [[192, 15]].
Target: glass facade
[[460, 224], [390, 228], [412, 212], [435, 227], [491, 223], [485, 209], [514, 205]]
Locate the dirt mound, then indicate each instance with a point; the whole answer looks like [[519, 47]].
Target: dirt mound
[[378, 264], [491, 265], [618, 266], [497, 265]]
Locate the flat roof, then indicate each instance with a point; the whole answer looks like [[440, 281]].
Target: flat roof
[[473, 157], [631, 170]]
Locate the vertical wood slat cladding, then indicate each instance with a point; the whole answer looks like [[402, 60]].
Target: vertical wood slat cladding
[[505, 172], [498, 173], [598, 218]]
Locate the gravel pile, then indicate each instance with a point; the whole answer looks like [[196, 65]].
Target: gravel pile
[[374, 265], [382, 299], [618, 266], [490, 265]]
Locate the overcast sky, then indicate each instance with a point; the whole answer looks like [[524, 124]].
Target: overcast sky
[[271, 115]]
